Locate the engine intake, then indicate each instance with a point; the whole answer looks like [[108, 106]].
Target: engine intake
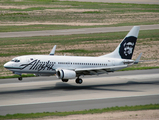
[[65, 74]]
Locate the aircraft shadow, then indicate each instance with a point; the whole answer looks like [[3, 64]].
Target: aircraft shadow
[[69, 87]]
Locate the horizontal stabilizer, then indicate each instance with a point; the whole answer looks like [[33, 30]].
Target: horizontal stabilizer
[[138, 59]]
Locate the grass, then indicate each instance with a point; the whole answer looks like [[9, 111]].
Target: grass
[[139, 68], [50, 11], [28, 45], [81, 51], [39, 27], [16, 76], [91, 111], [75, 39]]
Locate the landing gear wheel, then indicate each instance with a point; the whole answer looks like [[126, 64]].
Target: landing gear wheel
[[20, 78], [79, 81], [64, 80]]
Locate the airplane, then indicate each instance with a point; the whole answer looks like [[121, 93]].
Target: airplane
[[72, 67]]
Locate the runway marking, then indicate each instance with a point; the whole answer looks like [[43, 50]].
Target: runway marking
[[76, 100]]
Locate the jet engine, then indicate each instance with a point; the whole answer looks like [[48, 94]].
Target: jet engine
[[66, 74]]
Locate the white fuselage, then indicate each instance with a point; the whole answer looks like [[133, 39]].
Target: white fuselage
[[46, 64]]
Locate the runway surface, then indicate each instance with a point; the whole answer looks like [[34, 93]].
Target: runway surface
[[49, 94], [74, 31]]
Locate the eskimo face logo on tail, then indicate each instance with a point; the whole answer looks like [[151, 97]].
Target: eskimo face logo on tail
[[127, 47]]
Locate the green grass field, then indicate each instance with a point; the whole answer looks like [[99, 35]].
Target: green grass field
[[34, 45], [33, 15], [91, 111]]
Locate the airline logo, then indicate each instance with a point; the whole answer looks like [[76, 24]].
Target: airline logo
[[38, 65], [127, 47]]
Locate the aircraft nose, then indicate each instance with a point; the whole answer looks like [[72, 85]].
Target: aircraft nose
[[7, 65]]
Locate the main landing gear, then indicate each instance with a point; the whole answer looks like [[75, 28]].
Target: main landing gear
[[79, 81], [64, 80]]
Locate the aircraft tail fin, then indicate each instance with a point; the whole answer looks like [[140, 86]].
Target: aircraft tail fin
[[126, 48]]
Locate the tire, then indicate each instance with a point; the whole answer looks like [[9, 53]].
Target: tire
[[79, 81], [64, 80], [20, 78]]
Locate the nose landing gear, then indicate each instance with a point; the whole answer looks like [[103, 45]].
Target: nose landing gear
[[20, 78], [20, 75]]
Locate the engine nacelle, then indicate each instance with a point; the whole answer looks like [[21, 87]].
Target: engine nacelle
[[65, 74]]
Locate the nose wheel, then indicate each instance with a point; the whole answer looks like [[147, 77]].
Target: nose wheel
[[79, 81], [20, 78]]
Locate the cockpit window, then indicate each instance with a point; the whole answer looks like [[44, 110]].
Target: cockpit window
[[15, 60]]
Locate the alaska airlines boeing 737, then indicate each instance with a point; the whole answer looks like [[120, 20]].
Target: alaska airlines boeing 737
[[72, 67]]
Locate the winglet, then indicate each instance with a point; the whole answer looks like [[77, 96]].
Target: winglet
[[138, 58], [53, 50]]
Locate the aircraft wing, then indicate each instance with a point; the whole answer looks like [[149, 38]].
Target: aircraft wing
[[97, 71]]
